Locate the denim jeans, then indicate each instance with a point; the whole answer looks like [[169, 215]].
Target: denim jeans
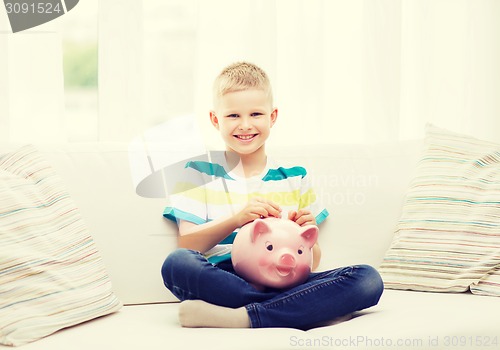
[[322, 298]]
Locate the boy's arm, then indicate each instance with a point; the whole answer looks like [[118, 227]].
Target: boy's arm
[[205, 236], [316, 256]]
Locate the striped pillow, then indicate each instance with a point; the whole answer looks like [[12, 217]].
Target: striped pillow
[[51, 274], [489, 284], [448, 237]]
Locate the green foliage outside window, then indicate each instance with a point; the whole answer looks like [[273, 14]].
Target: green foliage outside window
[[80, 65]]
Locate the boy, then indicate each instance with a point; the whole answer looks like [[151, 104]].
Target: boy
[[245, 186]]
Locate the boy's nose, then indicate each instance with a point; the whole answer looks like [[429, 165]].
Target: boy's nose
[[245, 124]]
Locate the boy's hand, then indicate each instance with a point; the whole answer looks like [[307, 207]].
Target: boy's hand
[[302, 217], [257, 208]]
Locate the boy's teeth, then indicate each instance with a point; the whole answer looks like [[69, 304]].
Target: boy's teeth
[[245, 137]]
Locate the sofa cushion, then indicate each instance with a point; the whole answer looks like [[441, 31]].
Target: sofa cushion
[[401, 320], [51, 273], [448, 237]]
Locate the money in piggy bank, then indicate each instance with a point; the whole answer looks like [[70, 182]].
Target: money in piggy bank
[[274, 252]]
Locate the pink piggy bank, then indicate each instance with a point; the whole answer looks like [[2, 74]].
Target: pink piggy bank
[[274, 252]]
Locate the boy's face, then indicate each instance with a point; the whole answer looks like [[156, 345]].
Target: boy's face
[[244, 119]]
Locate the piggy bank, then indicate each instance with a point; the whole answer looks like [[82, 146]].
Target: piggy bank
[[274, 252]]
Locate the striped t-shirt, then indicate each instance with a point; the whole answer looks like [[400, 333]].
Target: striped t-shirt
[[206, 190]]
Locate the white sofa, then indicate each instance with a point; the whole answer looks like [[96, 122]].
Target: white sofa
[[363, 187]]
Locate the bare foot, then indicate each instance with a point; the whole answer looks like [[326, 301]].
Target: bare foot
[[198, 313]]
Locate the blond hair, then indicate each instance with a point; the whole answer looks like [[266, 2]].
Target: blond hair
[[241, 76]]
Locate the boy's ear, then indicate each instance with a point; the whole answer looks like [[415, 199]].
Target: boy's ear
[[214, 120], [274, 116]]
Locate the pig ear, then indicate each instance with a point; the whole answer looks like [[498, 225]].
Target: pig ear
[[310, 234], [259, 228]]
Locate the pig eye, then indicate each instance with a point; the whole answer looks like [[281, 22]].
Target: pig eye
[[269, 246], [301, 250]]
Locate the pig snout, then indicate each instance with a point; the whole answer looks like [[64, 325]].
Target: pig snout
[[287, 260]]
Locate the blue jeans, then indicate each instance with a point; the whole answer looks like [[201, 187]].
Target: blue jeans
[[322, 298]]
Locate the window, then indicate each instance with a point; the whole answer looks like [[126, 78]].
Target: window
[[80, 65]]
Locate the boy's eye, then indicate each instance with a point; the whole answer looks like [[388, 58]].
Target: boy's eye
[[232, 116], [256, 114]]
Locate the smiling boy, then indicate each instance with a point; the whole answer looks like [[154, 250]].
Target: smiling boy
[[251, 186], [246, 119]]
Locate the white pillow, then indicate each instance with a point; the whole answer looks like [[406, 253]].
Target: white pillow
[[448, 237], [51, 274]]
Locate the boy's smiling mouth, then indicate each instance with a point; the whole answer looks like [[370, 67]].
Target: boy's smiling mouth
[[246, 137]]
